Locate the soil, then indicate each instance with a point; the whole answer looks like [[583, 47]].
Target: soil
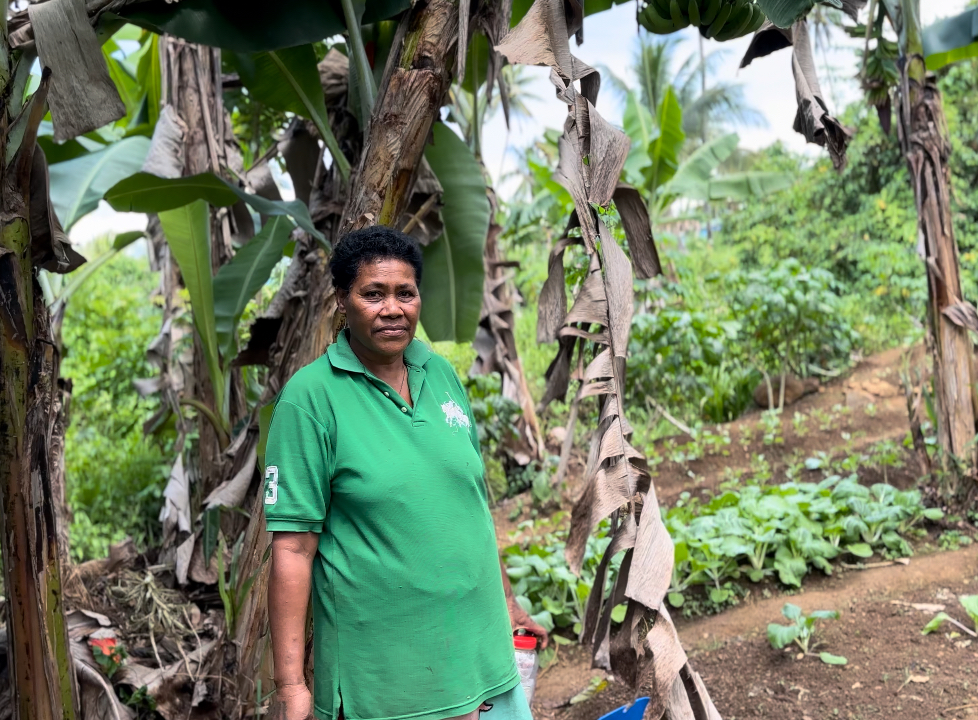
[[893, 670]]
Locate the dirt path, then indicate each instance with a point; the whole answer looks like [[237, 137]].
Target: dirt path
[[872, 586]]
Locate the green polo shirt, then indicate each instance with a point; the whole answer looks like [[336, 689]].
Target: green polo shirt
[[410, 618]]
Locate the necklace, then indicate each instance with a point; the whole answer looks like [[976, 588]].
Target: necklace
[[403, 377]]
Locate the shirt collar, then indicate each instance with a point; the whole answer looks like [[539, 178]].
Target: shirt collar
[[342, 357]]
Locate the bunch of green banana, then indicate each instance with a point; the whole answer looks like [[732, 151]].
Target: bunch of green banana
[[720, 19]]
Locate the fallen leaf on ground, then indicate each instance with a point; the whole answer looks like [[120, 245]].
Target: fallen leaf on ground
[[923, 607]]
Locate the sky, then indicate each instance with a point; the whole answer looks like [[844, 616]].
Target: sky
[[610, 41]]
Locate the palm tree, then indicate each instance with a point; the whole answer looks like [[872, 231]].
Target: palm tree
[[708, 108], [517, 83]]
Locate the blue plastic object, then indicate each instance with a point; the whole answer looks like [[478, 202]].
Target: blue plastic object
[[635, 711]]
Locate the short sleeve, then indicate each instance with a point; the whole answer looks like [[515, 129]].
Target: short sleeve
[[296, 471]]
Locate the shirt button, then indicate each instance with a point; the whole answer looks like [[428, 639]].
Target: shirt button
[[403, 409], [387, 394]]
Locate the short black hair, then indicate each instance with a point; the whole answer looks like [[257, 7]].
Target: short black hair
[[372, 243]]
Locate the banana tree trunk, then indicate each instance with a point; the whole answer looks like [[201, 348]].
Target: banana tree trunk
[[411, 94], [193, 91], [924, 140], [40, 674]]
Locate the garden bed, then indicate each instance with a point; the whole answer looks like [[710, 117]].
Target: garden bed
[[893, 670]]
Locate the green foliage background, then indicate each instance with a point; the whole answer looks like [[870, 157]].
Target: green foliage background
[[115, 476]]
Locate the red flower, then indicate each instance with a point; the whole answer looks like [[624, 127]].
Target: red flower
[[107, 646]]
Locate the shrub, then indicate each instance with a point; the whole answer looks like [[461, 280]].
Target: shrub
[[682, 356], [790, 318]]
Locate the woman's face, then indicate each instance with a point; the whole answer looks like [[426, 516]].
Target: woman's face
[[382, 306]]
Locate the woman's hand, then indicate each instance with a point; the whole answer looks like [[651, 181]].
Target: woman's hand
[[520, 619], [292, 702]]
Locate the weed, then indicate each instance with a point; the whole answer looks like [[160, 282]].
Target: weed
[[760, 469], [823, 419], [953, 540], [798, 422], [771, 424]]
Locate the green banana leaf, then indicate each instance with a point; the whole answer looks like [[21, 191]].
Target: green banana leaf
[[639, 125], [591, 7], [692, 178], [78, 184], [288, 80], [950, 40], [451, 289], [61, 152], [143, 192], [150, 77], [664, 149], [240, 28], [784, 13], [739, 187], [238, 281], [187, 231]]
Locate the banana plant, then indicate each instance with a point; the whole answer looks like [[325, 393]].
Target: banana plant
[[217, 301], [653, 163]]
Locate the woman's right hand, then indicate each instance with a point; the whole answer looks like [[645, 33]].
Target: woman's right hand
[[292, 702]]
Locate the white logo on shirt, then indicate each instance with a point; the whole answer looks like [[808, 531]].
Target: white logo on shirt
[[454, 415], [271, 485]]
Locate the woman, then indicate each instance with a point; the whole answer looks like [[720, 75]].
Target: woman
[[376, 499]]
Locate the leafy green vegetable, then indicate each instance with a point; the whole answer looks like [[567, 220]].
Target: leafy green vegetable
[[830, 659], [935, 623], [801, 632]]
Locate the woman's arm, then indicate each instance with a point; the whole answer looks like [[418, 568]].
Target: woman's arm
[[289, 586], [518, 617]]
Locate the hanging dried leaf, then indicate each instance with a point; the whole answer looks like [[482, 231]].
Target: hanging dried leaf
[[50, 248], [552, 304], [570, 174], [83, 97], [813, 119], [166, 158], [654, 556], [769, 38], [558, 374], [334, 74], [620, 293], [231, 493], [175, 513], [617, 483], [495, 346], [667, 659], [604, 493], [606, 156], [638, 231], [540, 38]]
